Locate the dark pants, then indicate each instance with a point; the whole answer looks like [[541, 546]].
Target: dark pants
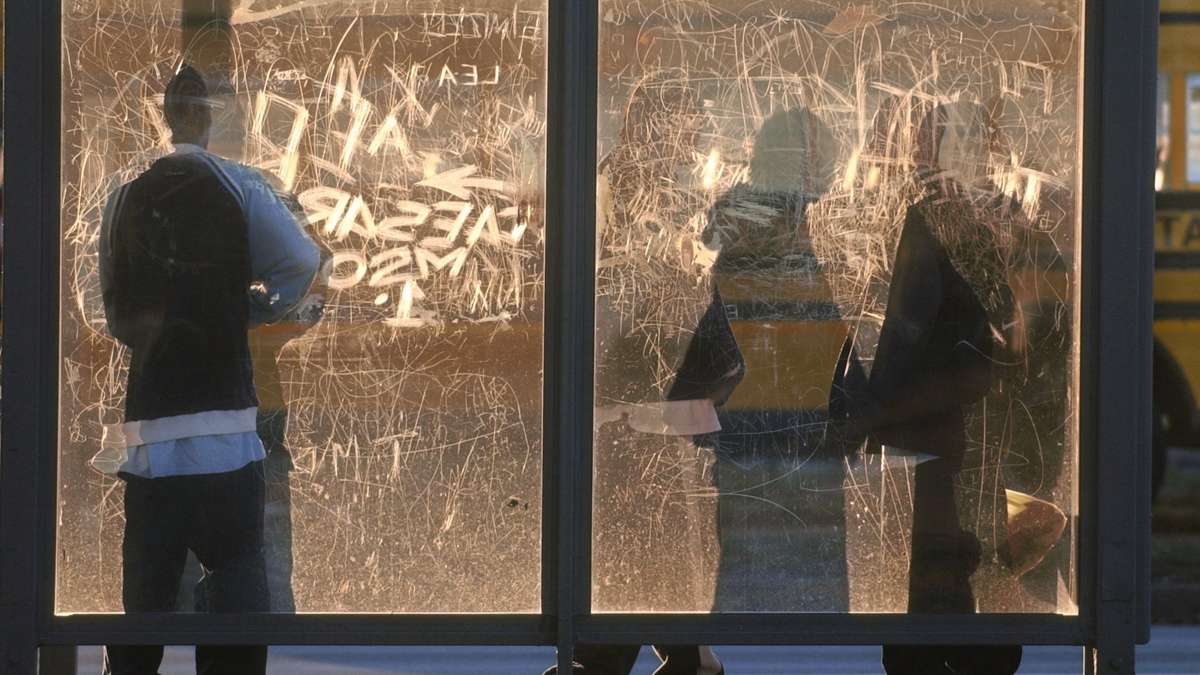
[[951, 659], [939, 582], [619, 659], [219, 517], [277, 515]]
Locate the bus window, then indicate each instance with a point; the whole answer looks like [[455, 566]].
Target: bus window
[[1162, 136], [1193, 128]]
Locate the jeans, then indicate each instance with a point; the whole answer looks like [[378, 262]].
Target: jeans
[[219, 517]]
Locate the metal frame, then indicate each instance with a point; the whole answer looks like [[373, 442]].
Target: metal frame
[[1120, 80], [571, 212], [27, 471], [1117, 250], [1179, 17]]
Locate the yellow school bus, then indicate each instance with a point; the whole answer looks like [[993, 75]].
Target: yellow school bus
[[1177, 232]]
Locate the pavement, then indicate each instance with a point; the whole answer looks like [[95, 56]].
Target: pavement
[[1172, 649]]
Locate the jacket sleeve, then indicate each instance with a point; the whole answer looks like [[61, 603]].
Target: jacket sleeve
[[283, 259], [914, 374], [113, 267], [713, 365], [914, 298]]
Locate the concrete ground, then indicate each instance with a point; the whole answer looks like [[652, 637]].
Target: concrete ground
[[1173, 649]]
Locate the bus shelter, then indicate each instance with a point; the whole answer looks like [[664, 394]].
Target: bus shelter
[[609, 301]]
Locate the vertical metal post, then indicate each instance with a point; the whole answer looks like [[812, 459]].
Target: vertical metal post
[[570, 201], [1122, 261], [58, 660], [1145, 460], [27, 506]]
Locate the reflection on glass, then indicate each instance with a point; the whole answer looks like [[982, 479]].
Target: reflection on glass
[[883, 205], [399, 402]]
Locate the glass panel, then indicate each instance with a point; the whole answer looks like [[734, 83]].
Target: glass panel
[[399, 399], [836, 306]]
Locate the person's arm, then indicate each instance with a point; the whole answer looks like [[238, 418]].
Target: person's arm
[[900, 385], [112, 270], [283, 259], [911, 379]]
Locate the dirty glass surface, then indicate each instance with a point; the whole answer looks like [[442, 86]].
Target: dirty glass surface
[[836, 306], [402, 422]]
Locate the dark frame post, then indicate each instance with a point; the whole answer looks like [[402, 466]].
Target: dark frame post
[[1118, 306], [571, 217], [27, 469]]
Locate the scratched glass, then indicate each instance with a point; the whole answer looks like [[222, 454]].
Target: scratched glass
[[768, 353], [404, 427]]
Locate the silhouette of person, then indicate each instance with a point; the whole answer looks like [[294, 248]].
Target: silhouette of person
[[194, 252], [761, 229], [665, 359], [939, 346]]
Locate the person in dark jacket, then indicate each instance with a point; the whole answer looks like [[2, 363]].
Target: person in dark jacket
[[194, 252], [939, 350]]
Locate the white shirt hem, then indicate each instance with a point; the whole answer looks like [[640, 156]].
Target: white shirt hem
[[207, 423]]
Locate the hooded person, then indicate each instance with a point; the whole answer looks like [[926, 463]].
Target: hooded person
[[944, 345]]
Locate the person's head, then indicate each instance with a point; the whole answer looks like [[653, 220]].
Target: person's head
[[187, 107], [956, 138], [794, 153]]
